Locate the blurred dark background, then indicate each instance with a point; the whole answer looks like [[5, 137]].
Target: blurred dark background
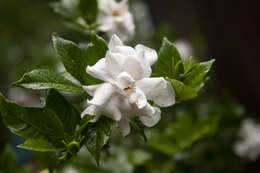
[[229, 31]]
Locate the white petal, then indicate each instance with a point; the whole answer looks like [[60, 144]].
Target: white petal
[[99, 70], [114, 62], [102, 94], [106, 22], [119, 62], [149, 54], [124, 26], [92, 110], [125, 50], [114, 42], [91, 89], [106, 6], [152, 119], [123, 6], [158, 90], [136, 68], [124, 126], [111, 109], [136, 96], [124, 80]]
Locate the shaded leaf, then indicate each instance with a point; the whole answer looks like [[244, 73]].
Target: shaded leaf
[[73, 60], [66, 112], [97, 135], [88, 10], [96, 50], [167, 59], [44, 79], [84, 122], [187, 65], [182, 91], [32, 124], [39, 143], [178, 69], [138, 127], [195, 78]]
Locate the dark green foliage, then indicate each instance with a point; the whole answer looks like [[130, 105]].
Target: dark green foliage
[[44, 79], [97, 136]]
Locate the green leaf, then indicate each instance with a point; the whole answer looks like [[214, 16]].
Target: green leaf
[[84, 122], [33, 124], [178, 69], [195, 78], [167, 59], [96, 50], [138, 127], [45, 79], [187, 65], [182, 91], [8, 161], [73, 60], [66, 112], [97, 136], [39, 143], [88, 10]]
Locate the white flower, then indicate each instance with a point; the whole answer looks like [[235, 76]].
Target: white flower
[[250, 145], [127, 86], [184, 47], [70, 169], [115, 18]]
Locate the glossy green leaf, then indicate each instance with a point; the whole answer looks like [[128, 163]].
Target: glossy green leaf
[[44, 79], [33, 124], [97, 135], [178, 69], [66, 112], [39, 143], [187, 65], [182, 91], [168, 57], [84, 122], [88, 10], [96, 50], [74, 60], [137, 126], [195, 78]]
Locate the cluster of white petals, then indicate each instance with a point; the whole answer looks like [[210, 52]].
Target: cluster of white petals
[[115, 18], [249, 147], [127, 86]]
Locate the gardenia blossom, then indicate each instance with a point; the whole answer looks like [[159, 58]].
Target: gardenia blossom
[[250, 145], [127, 86], [115, 18]]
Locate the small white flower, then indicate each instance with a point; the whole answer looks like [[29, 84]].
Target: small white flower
[[184, 47], [115, 18], [127, 86], [250, 145], [70, 169]]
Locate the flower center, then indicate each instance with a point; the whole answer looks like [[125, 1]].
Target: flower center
[[116, 13], [129, 90]]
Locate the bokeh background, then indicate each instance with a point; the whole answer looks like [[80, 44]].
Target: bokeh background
[[224, 30]]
